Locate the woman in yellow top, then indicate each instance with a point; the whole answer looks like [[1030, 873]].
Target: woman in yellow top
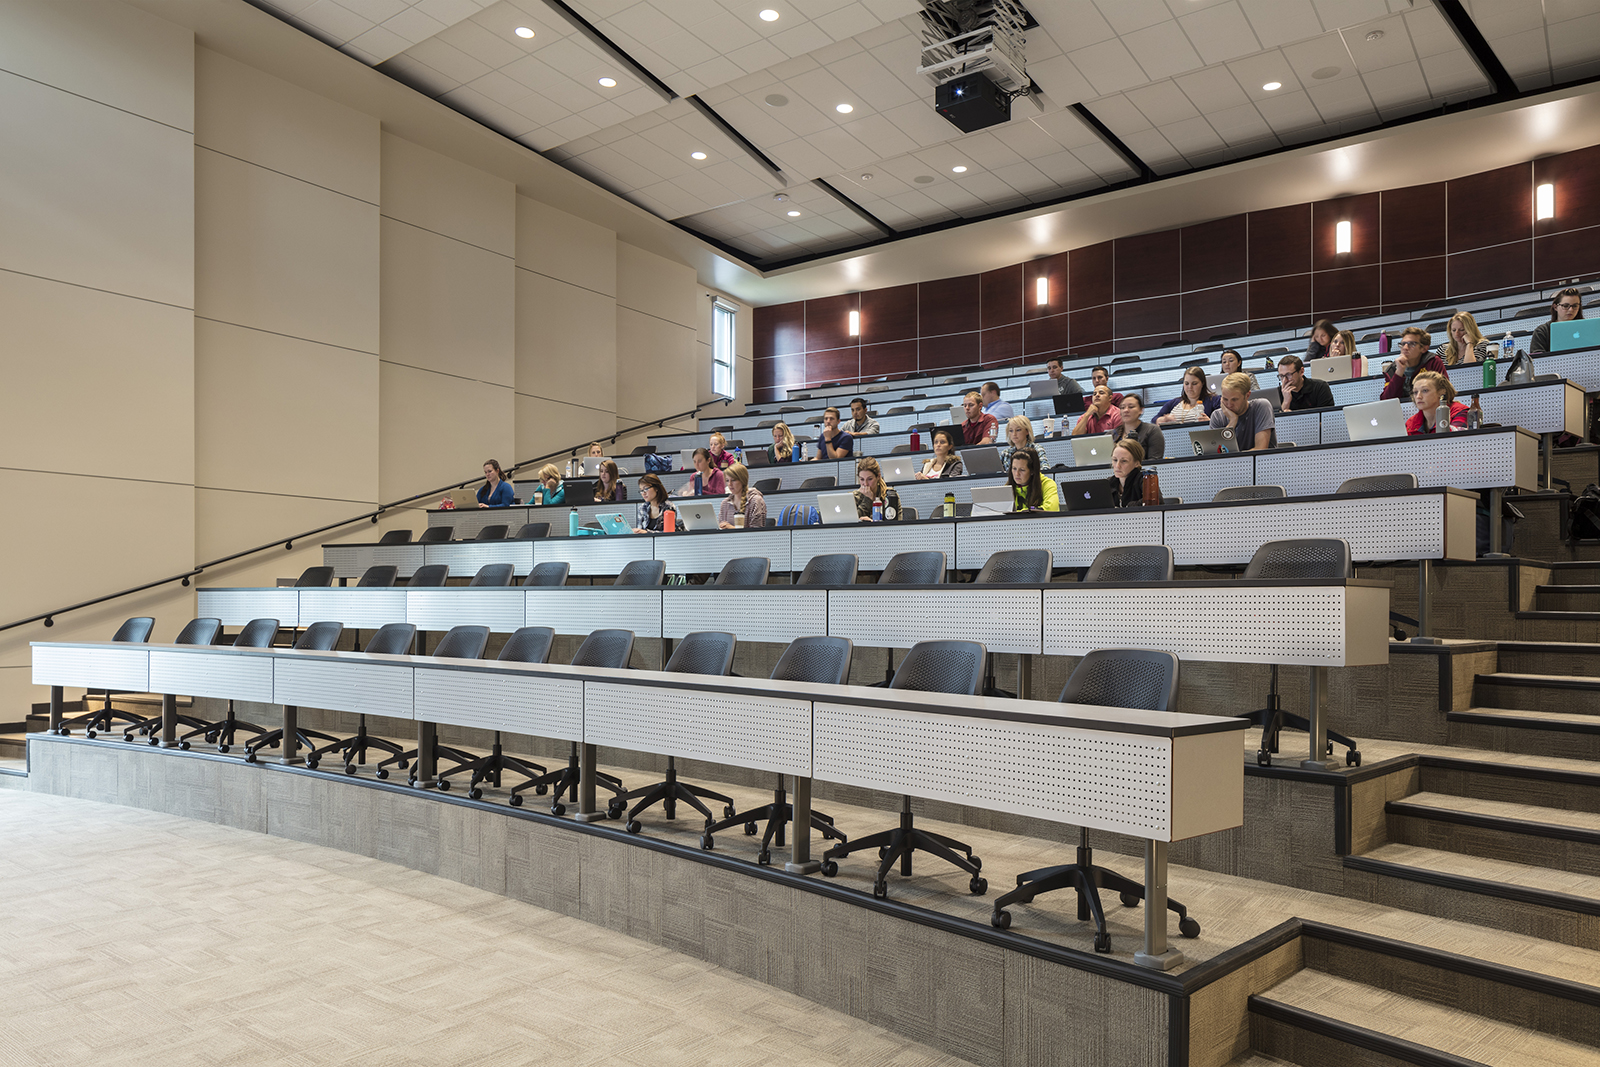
[[1030, 490]]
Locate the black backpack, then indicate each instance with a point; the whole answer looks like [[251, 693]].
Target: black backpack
[[1584, 521]]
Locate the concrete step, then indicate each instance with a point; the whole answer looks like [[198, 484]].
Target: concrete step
[[1521, 833], [1562, 694]]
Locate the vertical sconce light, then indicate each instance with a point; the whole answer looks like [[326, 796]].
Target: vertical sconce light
[[1544, 201], [855, 324], [1041, 291], [1341, 238]]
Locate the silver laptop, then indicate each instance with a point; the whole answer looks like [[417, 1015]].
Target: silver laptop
[[1332, 369], [686, 459], [464, 498], [1381, 418], [993, 500], [899, 469], [699, 513], [1091, 451], [984, 460], [958, 415], [1043, 390], [837, 507], [1214, 382]]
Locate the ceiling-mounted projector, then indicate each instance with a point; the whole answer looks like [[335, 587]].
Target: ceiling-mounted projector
[[972, 53], [972, 102]]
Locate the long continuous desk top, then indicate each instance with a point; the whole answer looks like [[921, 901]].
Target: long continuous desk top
[[1432, 523]]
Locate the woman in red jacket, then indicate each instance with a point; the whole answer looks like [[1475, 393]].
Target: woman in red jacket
[[1437, 409]]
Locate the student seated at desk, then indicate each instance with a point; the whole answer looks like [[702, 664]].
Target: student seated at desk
[[1437, 408], [1194, 404], [871, 488], [495, 492], [783, 449], [1414, 356], [596, 450], [1251, 420], [1322, 335], [989, 393], [1102, 376], [1019, 435], [1467, 343], [1150, 438], [653, 506], [551, 490], [1343, 344], [833, 442], [1296, 392], [1564, 307], [981, 428], [1031, 490], [608, 487], [717, 451], [1065, 385], [1102, 415], [1127, 475], [944, 463], [1233, 363], [707, 480], [743, 507], [861, 424]]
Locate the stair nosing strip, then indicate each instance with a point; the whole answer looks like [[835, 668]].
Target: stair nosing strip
[[1522, 894], [1482, 821], [1513, 680], [1351, 1034], [1480, 719]]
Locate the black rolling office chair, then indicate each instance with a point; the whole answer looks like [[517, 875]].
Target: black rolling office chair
[[318, 637], [898, 449], [1303, 557], [493, 575], [396, 537], [834, 568], [551, 572], [746, 570], [954, 667], [314, 577], [1131, 563], [196, 632], [459, 642], [602, 648], [391, 639], [378, 576], [257, 633], [923, 567], [1120, 678], [1012, 566], [428, 576], [642, 572], [492, 532], [705, 652], [531, 644], [135, 631], [815, 661], [1249, 492], [1378, 483], [533, 531], [768, 485], [435, 534], [825, 481]]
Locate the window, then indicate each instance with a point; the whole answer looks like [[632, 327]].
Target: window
[[722, 349]]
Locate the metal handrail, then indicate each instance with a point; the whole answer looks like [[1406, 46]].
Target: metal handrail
[[49, 617]]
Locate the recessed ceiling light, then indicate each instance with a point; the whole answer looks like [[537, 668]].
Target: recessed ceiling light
[[697, 155], [844, 109], [1324, 73], [609, 83], [958, 170], [794, 214], [923, 179], [867, 177], [1272, 86], [523, 31], [777, 100], [1375, 35], [769, 15]]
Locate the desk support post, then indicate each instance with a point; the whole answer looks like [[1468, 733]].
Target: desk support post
[[800, 861], [1425, 604], [57, 706], [1496, 523], [1547, 448], [169, 720], [1317, 718], [1155, 954], [587, 810], [1025, 676], [427, 765], [290, 746]]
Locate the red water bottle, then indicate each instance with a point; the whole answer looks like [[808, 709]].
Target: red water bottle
[[669, 522], [916, 441]]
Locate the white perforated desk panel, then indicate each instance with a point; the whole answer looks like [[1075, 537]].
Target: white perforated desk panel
[[1073, 540], [466, 557], [773, 613], [594, 556], [581, 610], [1005, 620], [509, 700], [235, 607], [439, 609], [219, 673], [873, 543], [344, 681], [1492, 459], [1404, 526], [705, 554], [94, 666], [358, 609]]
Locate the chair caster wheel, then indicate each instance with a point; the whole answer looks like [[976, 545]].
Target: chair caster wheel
[[411, 780], [728, 812], [1130, 900], [763, 857], [750, 828], [1263, 759], [403, 765], [382, 772], [223, 748], [707, 842], [312, 763], [474, 793], [979, 886], [615, 809], [1000, 920], [442, 785], [558, 808], [349, 768], [249, 757], [1354, 758], [68, 733], [516, 800], [1102, 942], [183, 746], [880, 889], [883, 852], [830, 868], [1188, 927], [633, 826], [541, 790], [154, 741]]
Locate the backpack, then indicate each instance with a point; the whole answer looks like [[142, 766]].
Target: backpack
[[790, 515], [1521, 369], [1584, 521], [656, 463]]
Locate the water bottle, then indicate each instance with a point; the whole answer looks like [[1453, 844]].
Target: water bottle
[[1474, 415], [572, 523], [1150, 486], [916, 441], [949, 505], [569, 468], [1383, 342], [877, 511]]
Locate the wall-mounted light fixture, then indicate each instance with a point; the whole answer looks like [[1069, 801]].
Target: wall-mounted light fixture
[[855, 324], [1341, 238], [1544, 201], [1041, 291]]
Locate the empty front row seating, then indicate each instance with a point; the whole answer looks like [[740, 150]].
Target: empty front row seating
[[133, 631], [645, 572], [429, 575], [197, 632], [257, 633], [603, 648], [391, 639], [396, 537], [1248, 492], [530, 644], [548, 573], [435, 534], [318, 637]]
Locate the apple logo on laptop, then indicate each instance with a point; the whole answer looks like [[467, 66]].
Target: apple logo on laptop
[[1374, 422], [1086, 494]]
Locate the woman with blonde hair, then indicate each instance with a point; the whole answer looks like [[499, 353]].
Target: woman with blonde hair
[[1344, 344], [1467, 343], [1438, 410], [551, 490], [1019, 434], [873, 489], [741, 500], [782, 449]]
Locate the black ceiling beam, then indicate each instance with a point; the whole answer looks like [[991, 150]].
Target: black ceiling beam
[[1473, 41], [610, 47], [1113, 142], [871, 219]]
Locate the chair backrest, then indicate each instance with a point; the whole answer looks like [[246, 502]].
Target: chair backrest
[[768, 485], [436, 533], [1378, 483], [1017, 566], [1249, 492], [533, 531], [817, 660], [429, 575], [199, 632], [257, 633], [833, 568], [494, 532], [925, 567], [942, 667], [135, 630], [642, 572], [550, 572], [1124, 678], [897, 449], [605, 648], [825, 481], [1301, 557], [393, 639], [320, 637], [314, 577], [531, 644], [378, 576], [746, 570], [494, 574], [1131, 563], [396, 537], [462, 642], [702, 652]]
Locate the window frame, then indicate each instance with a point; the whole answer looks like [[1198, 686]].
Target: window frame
[[724, 327]]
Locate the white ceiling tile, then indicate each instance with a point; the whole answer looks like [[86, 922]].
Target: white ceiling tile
[[379, 44], [337, 22], [375, 11], [1498, 17], [1254, 72], [1288, 111], [1524, 54], [801, 158], [1430, 34], [1192, 136], [1151, 146], [1340, 99], [1449, 78], [1109, 67], [873, 83], [1163, 50], [1066, 129], [799, 40], [846, 152], [1572, 41], [715, 71], [472, 39], [571, 128], [884, 136], [413, 25], [1278, 22], [1336, 14], [1220, 32], [922, 123], [683, 49], [1066, 171], [1061, 79], [1027, 139], [619, 166], [757, 56], [1025, 178], [1322, 54], [420, 76], [1397, 85], [847, 22], [450, 12], [1126, 16], [987, 186], [503, 90], [1162, 103], [1212, 89], [1240, 125], [1393, 48], [608, 113], [1120, 114], [573, 57], [289, 7]]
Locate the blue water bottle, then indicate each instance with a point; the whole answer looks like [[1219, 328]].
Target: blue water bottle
[[877, 511], [572, 523]]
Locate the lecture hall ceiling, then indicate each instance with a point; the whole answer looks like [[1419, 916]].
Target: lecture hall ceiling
[[1173, 85]]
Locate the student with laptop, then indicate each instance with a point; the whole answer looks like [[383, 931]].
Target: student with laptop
[[1030, 489], [782, 449], [944, 463], [1249, 419], [861, 424], [707, 480], [608, 487], [1127, 475], [833, 442], [743, 507], [1194, 404], [1296, 391], [1019, 435], [1564, 307], [1102, 415], [1151, 440], [1065, 385], [1413, 356], [551, 489], [1233, 363], [871, 488], [993, 405], [653, 505], [495, 492], [1438, 411], [1322, 335], [1467, 343], [980, 428]]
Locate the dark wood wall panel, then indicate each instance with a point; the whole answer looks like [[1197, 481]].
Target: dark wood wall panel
[[1091, 330], [1491, 208], [947, 350], [780, 330], [1003, 344], [1146, 266], [1280, 298], [1415, 282], [1280, 241], [890, 357], [828, 322], [1576, 176], [1000, 296], [1413, 222], [1208, 309], [1214, 253], [1490, 270], [1362, 214], [1054, 269], [1090, 272], [889, 314], [1564, 256], [1044, 335], [1346, 293], [833, 365], [1157, 316], [949, 305]]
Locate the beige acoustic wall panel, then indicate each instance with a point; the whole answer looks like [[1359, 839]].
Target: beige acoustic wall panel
[[227, 521], [566, 343], [95, 383], [657, 367], [447, 306], [253, 116], [547, 425], [435, 428], [657, 286], [562, 246], [448, 197]]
